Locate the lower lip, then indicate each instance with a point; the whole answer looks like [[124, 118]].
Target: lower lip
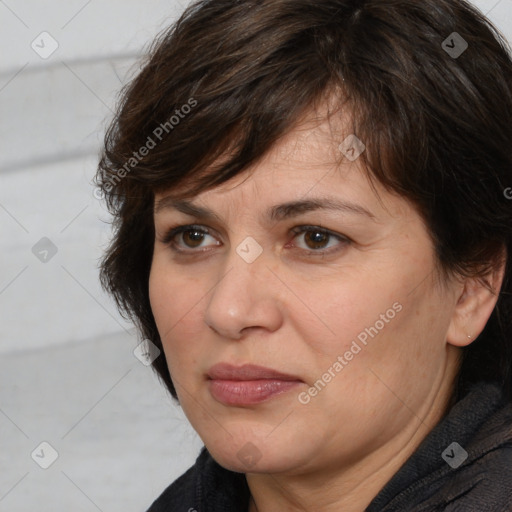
[[248, 392]]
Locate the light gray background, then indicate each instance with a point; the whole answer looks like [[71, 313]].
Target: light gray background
[[68, 375]]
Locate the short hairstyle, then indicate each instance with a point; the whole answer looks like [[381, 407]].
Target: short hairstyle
[[429, 88]]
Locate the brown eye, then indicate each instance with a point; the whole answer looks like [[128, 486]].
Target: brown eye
[[192, 237], [188, 238], [316, 239]]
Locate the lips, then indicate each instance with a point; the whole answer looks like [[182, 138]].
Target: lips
[[225, 371], [248, 384]]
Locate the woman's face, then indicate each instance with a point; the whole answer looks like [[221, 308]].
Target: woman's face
[[298, 267]]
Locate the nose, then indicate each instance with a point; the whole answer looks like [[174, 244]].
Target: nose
[[246, 297]]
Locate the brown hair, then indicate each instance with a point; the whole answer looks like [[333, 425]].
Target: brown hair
[[231, 77]]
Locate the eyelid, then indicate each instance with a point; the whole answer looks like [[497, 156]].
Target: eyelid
[[320, 252], [171, 233], [310, 227], [168, 238]]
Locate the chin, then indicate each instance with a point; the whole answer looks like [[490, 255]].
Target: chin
[[253, 455]]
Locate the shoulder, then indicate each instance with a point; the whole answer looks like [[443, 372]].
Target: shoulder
[[484, 484], [181, 494], [483, 480], [206, 485], [463, 465]]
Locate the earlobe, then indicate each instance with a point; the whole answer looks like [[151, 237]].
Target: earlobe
[[474, 307]]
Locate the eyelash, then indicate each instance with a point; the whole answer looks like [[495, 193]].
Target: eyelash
[[171, 234]]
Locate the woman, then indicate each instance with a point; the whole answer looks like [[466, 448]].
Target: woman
[[312, 224]]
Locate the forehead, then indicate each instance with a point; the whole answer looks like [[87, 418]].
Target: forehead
[[307, 170], [311, 161], [314, 148]]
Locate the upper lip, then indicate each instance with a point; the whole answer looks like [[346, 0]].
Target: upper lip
[[226, 371]]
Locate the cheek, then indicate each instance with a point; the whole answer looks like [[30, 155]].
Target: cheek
[[347, 312], [172, 293], [390, 324], [176, 302], [161, 297], [385, 351]]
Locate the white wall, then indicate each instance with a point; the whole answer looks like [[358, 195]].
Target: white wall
[[53, 112]]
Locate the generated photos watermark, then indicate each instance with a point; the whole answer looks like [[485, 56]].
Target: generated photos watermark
[[454, 45], [151, 142], [249, 250], [454, 455], [146, 352], [249, 455], [356, 347], [44, 455], [45, 45], [352, 147]]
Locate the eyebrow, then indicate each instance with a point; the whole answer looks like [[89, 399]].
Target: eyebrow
[[275, 213]]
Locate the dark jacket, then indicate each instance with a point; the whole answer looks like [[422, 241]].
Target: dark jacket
[[474, 475]]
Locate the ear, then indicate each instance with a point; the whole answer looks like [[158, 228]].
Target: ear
[[476, 300]]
